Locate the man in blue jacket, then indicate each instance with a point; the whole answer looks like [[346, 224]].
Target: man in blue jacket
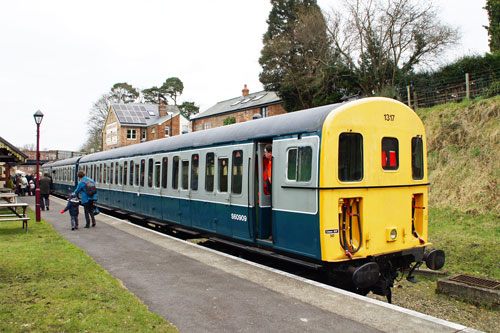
[[89, 195]]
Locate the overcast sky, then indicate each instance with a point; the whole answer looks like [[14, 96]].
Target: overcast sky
[[61, 56]]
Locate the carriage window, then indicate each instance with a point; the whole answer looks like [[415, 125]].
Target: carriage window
[[194, 172], [185, 175], [350, 157], [111, 172], [299, 164], [101, 171], [125, 174], [131, 173], [118, 173], [164, 172], [136, 172], [209, 172], [390, 154], [143, 171], [175, 173], [150, 172], [417, 158], [105, 175], [223, 165], [157, 174], [237, 174]]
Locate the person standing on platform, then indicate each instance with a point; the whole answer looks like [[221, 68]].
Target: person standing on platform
[[73, 206], [89, 196], [44, 184]]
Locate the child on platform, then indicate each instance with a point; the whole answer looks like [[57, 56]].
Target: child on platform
[[73, 207]]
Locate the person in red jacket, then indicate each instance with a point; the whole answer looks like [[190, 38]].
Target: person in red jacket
[[268, 166]]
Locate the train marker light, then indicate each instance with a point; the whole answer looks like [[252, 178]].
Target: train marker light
[[391, 234]]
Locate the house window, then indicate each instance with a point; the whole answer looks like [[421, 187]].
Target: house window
[[265, 111], [167, 131], [131, 134], [144, 134], [208, 125], [199, 127]]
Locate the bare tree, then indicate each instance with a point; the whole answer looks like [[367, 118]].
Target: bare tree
[[95, 123], [379, 38]]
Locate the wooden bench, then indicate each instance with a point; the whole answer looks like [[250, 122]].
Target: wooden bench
[[9, 197], [16, 216]]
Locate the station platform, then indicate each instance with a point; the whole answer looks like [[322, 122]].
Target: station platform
[[200, 290]]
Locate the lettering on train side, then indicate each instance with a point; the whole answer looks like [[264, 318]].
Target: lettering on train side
[[238, 217]]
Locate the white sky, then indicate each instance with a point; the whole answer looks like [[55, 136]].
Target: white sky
[[60, 56]]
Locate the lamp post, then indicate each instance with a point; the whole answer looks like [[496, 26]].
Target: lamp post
[[38, 120]]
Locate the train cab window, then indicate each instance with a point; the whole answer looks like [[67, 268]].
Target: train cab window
[[185, 175], [390, 153], [175, 173], [194, 171], [143, 171], [209, 172], [417, 158], [150, 172], [157, 174], [350, 157], [237, 172], [299, 164], [223, 165], [164, 172], [125, 172]]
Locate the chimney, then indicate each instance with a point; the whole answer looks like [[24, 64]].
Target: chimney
[[162, 109], [245, 91]]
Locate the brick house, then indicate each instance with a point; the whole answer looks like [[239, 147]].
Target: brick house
[[242, 108], [128, 124]]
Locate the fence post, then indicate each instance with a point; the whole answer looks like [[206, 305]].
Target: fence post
[[415, 101], [467, 86], [408, 93]]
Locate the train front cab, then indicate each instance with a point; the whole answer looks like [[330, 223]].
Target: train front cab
[[374, 192]]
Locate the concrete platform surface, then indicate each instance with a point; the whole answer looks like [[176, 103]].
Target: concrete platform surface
[[200, 290]]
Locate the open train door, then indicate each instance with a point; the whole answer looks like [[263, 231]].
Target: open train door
[[263, 208]]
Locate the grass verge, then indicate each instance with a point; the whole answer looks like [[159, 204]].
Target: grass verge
[[49, 284]]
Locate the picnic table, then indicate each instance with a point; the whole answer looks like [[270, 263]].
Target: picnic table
[[12, 205]]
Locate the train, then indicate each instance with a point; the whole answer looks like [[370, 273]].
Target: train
[[349, 192]]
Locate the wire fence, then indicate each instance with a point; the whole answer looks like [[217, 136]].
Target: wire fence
[[481, 84]]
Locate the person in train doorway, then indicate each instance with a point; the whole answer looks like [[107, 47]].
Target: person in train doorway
[[268, 166], [89, 196]]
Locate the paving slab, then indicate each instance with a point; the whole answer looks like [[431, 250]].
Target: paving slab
[[201, 290]]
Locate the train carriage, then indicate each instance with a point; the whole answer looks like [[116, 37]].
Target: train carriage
[[349, 187]]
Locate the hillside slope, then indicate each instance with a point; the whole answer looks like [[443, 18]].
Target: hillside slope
[[464, 155]]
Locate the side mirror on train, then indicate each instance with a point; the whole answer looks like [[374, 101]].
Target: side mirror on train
[[435, 259]]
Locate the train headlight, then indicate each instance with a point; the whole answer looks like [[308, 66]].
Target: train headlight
[[391, 234]]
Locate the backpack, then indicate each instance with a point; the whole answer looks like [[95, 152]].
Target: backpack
[[91, 189]]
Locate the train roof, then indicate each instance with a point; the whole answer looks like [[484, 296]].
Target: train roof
[[67, 161], [305, 121]]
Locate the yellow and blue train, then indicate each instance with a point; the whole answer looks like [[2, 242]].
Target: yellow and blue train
[[349, 188]]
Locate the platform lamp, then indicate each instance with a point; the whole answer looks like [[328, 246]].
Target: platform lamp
[[38, 120]]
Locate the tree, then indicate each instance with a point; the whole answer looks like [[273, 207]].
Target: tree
[[155, 95], [229, 121], [296, 57], [173, 88], [189, 109], [378, 39], [124, 93], [493, 9], [95, 123]]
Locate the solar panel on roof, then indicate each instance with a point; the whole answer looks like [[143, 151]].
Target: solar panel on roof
[[136, 108], [142, 108]]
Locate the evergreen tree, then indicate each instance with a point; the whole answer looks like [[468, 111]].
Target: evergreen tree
[[155, 95], [493, 8], [124, 93]]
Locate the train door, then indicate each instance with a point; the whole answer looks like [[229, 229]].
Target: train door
[[185, 191], [223, 196], [262, 196]]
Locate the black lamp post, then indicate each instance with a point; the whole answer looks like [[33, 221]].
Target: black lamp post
[[38, 120]]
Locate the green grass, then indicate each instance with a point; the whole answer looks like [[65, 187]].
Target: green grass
[[49, 284], [471, 242]]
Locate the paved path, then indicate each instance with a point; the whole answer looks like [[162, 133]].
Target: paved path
[[199, 290]]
